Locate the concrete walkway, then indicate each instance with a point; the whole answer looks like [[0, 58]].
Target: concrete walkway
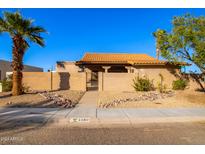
[[86, 106], [86, 112]]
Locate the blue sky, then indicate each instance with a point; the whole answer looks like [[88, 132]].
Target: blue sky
[[72, 32]]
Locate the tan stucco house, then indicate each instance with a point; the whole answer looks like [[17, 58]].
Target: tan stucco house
[[115, 72]]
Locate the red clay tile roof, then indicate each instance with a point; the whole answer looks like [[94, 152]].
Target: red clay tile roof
[[121, 58]]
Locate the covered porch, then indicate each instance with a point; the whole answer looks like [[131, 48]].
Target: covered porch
[[92, 73]]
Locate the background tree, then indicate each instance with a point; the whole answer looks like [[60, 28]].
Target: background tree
[[186, 41], [22, 31]]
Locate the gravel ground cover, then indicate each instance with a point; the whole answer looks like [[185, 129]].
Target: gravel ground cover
[[41, 99], [151, 99]]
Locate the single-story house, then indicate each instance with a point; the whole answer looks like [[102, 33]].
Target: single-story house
[[5, 68], [113, 71]]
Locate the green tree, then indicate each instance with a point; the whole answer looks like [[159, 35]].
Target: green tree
[[22, 31], [186, 41]]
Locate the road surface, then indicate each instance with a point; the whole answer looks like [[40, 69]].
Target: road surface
[[152, 133]]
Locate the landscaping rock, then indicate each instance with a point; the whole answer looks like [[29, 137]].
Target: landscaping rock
[[58, 99], [144, 96]]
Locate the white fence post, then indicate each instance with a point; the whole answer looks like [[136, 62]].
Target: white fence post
[[1, 89]]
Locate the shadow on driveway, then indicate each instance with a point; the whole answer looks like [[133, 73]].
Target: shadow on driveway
[[23, 119]]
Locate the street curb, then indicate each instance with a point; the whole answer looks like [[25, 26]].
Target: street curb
[[114, 121]]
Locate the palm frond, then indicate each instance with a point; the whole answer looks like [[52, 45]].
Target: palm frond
[[12, 19], [36, 30], [4, 27], [15, 24], [37, 39], [34, 34]]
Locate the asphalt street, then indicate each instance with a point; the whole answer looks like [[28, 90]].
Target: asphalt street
[[152, 133]]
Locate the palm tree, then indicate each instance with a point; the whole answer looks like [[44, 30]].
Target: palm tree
[[22, 31]]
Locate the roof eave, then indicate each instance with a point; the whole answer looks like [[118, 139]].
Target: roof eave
[[146, 64], [130, 63], [179, 64]]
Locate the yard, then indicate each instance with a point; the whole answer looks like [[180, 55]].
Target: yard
[[37, 99], [153, 99], [173, 99]]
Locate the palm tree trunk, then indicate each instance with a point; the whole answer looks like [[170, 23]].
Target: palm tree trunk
[[17, 65], [17, 83]]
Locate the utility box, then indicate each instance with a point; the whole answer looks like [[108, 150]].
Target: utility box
[[1, 89]]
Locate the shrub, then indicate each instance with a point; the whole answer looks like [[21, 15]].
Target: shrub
[[161, 86], [142, 84], [26, 88], [179, 84], [6, 85]]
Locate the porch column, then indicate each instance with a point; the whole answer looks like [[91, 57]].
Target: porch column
[[86, 69], [100, 81], [88, 76], [128, 69], [106, 68]]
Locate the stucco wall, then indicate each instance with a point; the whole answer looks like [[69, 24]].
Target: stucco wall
[[5, 66], [193, 84], [169, 74], [77, 81], [117, 81], [67, 67], [124, 81], [45, 80], [54, 81]]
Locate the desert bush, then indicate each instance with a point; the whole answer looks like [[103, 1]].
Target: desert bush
[[25, 88], [6, 85], [179, 84], [161, 86], [142, 84]]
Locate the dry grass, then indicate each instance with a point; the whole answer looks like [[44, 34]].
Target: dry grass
[[35, 100], [180, 99]]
